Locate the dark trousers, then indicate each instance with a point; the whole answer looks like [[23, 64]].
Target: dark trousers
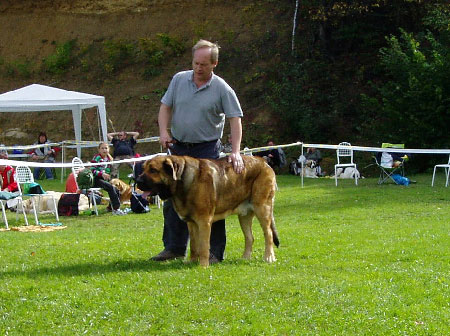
[[111, 190], [176, 234]]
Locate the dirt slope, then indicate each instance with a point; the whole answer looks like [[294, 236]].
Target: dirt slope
[[30, 30]]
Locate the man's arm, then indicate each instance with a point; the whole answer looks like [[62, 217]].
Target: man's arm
[[111, 135], [164, 118], [236, 137], [133, 134]]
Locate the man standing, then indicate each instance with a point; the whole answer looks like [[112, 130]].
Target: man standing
[[195, 107], [123, 148]]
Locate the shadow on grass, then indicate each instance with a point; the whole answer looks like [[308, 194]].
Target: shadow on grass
[[137, 265]]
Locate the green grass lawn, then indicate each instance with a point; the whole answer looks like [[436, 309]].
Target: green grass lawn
[[365, 260]]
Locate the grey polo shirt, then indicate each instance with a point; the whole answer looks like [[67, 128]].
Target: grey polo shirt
[[198, 114]]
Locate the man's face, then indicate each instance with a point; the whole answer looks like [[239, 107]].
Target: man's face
[[202, 65], [122, 135]]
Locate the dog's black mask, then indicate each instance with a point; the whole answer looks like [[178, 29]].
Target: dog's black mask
[[160, 189]]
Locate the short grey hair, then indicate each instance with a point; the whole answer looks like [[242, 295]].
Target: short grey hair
[[206, 44]]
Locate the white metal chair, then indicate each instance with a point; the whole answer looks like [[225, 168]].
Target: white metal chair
[[447, 171], [344, 152], [25, 176], [77, 166], [5, 219], [19, 206]]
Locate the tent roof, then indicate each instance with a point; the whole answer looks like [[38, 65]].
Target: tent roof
[[38, 97]]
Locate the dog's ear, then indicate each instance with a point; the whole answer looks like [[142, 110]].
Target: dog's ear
[[174, 166], [178, 165]]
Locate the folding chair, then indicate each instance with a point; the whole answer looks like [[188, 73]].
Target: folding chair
[[386, 166], [447, 171], [344, 152], [77, 166], [25, 176]]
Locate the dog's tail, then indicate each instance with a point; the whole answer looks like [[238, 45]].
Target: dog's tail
[[276, 241]]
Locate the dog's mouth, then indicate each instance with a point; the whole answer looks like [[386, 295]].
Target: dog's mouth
[[147, 185]]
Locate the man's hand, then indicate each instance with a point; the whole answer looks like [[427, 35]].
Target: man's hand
[[165, 140], [238, 163]]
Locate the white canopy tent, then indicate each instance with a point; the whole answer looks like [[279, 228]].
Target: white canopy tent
[[38, 97]]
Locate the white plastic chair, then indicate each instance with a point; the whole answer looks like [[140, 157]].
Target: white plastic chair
[[77, 166], [344, 153], [447, 171], [25, 176], [19, 206]]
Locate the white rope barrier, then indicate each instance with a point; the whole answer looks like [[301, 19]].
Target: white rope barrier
[[245, 151], [378, 149], [16, 163]]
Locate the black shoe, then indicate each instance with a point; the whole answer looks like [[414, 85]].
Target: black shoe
[[167, 255], [213, 259]]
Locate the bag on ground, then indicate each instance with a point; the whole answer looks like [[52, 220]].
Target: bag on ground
[[33, 189], [401, 180], [85, 179], [68, 205], [139, 204]]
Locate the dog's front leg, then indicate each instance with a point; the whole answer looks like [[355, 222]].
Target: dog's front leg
[[193, 233], [202, 241]]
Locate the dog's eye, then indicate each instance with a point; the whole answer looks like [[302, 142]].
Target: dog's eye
[[153, 171]]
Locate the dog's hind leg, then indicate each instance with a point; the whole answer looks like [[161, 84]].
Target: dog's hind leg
[[264, 215], [246, 226], [265, 219]]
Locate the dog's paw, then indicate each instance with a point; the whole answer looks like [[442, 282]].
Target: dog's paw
[[270, 258]]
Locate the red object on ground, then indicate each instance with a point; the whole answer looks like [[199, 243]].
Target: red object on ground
[[71, 184]]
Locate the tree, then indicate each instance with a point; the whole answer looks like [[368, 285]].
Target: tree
[[413, 104]]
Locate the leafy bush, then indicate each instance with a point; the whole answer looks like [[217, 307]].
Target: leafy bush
[[119, 54], [22, 68], [308, 104], [156, 52], [412, 106], [60, 61]]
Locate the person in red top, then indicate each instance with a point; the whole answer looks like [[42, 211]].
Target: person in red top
[[7, 181]]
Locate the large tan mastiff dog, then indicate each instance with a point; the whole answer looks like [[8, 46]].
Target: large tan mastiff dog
[[204, 191]]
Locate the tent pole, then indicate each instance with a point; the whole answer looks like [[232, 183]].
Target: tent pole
[[63, 159]]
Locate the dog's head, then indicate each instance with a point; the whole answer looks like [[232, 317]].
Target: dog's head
[[161, 174], [120, 185], [310, 164]]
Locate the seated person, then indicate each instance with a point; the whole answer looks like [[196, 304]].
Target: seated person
[[391, 159], [312, 154], [123, 148], [102, 177], [43, 154], [272, 156], [8, 183]]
